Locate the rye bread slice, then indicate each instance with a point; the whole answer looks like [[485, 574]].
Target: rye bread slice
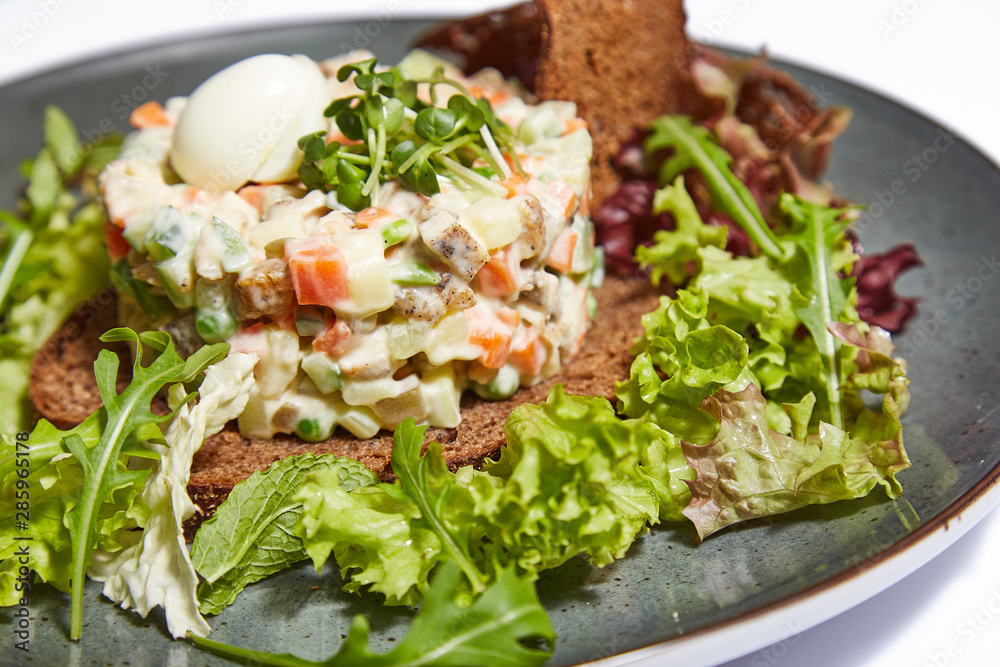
[[623, 63], [225, 459]]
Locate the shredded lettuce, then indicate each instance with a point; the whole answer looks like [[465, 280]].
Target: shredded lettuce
[[157, 571]]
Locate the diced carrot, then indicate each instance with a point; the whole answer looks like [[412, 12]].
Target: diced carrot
[[585, 202], [150, 114], [493, 332], [371, 215], [527, 352], [510, 317], [516, 185], [574, 124], [561, 256], [496, 278], [334, 341], [565, 194], [118, 247], [254, 195], [318, 270]]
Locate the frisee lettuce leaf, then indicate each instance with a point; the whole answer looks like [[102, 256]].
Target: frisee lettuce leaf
[[505, 626], [673, 252], [252, 534]]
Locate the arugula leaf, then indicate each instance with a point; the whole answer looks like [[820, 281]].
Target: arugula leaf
[[506, 626], [817, 232], [252, 534], [694, 148], [429, 484], [124, 413], [156, 570]]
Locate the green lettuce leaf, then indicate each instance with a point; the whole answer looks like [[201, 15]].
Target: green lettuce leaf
[[673, 252], [252, 534], [55, 483], [572, 484], [371, 534], [505, 626], [694, 148], [751, 471], [53, 253], [679, 362]]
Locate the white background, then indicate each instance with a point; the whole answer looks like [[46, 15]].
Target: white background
[[938, 57]]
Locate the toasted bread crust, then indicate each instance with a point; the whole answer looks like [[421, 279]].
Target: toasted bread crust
[[227, 458], [620, 73]]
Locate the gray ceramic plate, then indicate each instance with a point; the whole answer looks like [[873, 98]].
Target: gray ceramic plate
[[706, 603]]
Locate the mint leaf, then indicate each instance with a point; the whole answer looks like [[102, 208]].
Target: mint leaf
[[506, 626], [252, 534], [694, 148]]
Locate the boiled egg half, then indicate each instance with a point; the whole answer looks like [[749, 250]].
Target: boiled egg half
[[243, 123]]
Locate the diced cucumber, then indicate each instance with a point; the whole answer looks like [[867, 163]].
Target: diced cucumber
[[397, 232], [323, 371], [177, 276], [414, 273], [309, 321], [583, 251], [504, 385], [154, 305], [235, 254], [171, 233]]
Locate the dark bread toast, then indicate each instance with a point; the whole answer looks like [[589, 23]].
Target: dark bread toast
[[622, 63], [64, 391]]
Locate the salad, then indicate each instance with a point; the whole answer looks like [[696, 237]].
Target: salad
[[751, 394]]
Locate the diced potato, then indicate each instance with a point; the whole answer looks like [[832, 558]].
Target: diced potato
[[369, 278], [494, 220]]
